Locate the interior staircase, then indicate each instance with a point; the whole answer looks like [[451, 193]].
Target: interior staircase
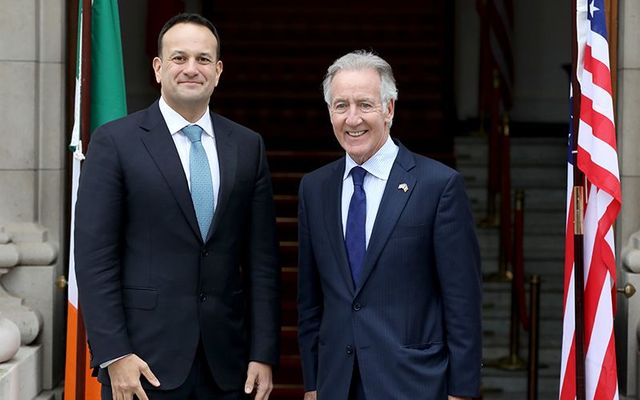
[[275, 56], [538, 166]]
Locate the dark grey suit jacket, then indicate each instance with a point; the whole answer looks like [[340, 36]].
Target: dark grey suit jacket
[[148, 284], [414, 321]]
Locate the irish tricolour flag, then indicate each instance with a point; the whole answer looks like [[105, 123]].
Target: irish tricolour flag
[[100, 91]]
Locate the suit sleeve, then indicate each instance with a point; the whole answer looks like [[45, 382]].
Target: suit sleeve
[[98, 227], [309, 298], [264, 272], [458, 265]]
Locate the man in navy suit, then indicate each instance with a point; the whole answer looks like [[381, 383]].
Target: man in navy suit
[[176, 256], [389, 294]]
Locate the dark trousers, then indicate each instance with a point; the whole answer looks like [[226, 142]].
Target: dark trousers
[[199, 385], [356, 391]]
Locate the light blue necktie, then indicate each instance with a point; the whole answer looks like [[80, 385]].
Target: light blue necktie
[[200, 178], [355, 236]]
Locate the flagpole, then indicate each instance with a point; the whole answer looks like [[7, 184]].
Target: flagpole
[[85, 120], [578, 204], [85, 76]]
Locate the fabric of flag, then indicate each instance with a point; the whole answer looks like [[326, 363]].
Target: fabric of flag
[[108, 102], [597, 159]]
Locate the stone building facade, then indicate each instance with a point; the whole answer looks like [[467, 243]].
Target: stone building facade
[[34, 179]]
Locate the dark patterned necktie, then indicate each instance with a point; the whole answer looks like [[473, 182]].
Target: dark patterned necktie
[[354, 238]]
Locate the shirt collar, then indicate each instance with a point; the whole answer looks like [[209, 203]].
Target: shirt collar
[[175, 122], [379, 165]]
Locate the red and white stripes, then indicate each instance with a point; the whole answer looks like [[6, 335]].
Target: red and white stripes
[[597, 159]]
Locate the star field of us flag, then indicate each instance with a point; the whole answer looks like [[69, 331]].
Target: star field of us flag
[[597, 158]]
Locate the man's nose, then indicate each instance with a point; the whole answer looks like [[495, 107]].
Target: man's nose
[[190, 66], [353, 115]]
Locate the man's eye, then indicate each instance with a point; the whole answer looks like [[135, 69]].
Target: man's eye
[[178, 59], [366, 106], [204, 60], [340, 107]]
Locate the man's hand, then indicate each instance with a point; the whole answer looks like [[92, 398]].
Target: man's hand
[[125, 378], [457, 398], [310, 395], [259, 376]]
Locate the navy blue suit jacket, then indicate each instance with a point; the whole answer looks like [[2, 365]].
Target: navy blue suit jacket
[[414, 321], [148, 283]]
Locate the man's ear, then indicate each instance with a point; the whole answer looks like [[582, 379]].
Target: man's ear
[[156, 64], [389, 111], [219, 68]]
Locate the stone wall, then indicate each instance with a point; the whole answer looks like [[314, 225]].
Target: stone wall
[[33, 158]]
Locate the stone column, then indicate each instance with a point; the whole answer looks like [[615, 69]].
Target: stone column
[[29, 296], [33, 137], [628, 127]]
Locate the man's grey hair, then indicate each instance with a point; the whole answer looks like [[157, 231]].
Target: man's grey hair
[[360, 60]]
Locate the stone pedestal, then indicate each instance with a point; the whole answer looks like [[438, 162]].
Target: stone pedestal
[[29, 296], [628, 319], [21, 377]]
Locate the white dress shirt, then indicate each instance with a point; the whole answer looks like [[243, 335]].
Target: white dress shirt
[[175, 122], [378, 168]]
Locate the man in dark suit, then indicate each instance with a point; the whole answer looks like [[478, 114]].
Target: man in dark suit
[[176, 256], [389, 295]]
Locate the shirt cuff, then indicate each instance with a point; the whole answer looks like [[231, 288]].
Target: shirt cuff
[[107, 363]]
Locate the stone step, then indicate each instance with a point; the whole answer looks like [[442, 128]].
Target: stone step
[[548, 368], [535, 221], [536, 199], [498, 304], [512, 385], [496, 334], [524, 151], [552, 283], [522, 177], [536, 246]]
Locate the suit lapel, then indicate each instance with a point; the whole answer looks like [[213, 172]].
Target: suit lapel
[[393, 201], [162, 149], [333, 221], [227, 160]]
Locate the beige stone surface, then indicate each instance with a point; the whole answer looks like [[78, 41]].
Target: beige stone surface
[[20, 378], [18, 30], [51, 203], [629, 121], [628, 22], [18, 114], [51, 114], [17, 198], [51, 30], [629, 218], [36, 286]]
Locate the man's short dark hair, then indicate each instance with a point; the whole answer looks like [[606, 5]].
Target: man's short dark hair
[[188, 18]]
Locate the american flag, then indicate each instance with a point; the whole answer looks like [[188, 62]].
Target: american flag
[[597, 159]]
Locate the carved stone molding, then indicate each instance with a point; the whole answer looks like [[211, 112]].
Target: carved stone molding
[[631, 254], [23, 244]]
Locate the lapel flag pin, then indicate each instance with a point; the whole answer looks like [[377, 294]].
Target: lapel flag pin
[[404, 187]]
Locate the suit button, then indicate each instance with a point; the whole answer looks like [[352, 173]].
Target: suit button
[[356, 307], [349, 350], [205, 253], [203, 297]]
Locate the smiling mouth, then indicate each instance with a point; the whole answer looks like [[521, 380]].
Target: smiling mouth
[[356, 133]]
